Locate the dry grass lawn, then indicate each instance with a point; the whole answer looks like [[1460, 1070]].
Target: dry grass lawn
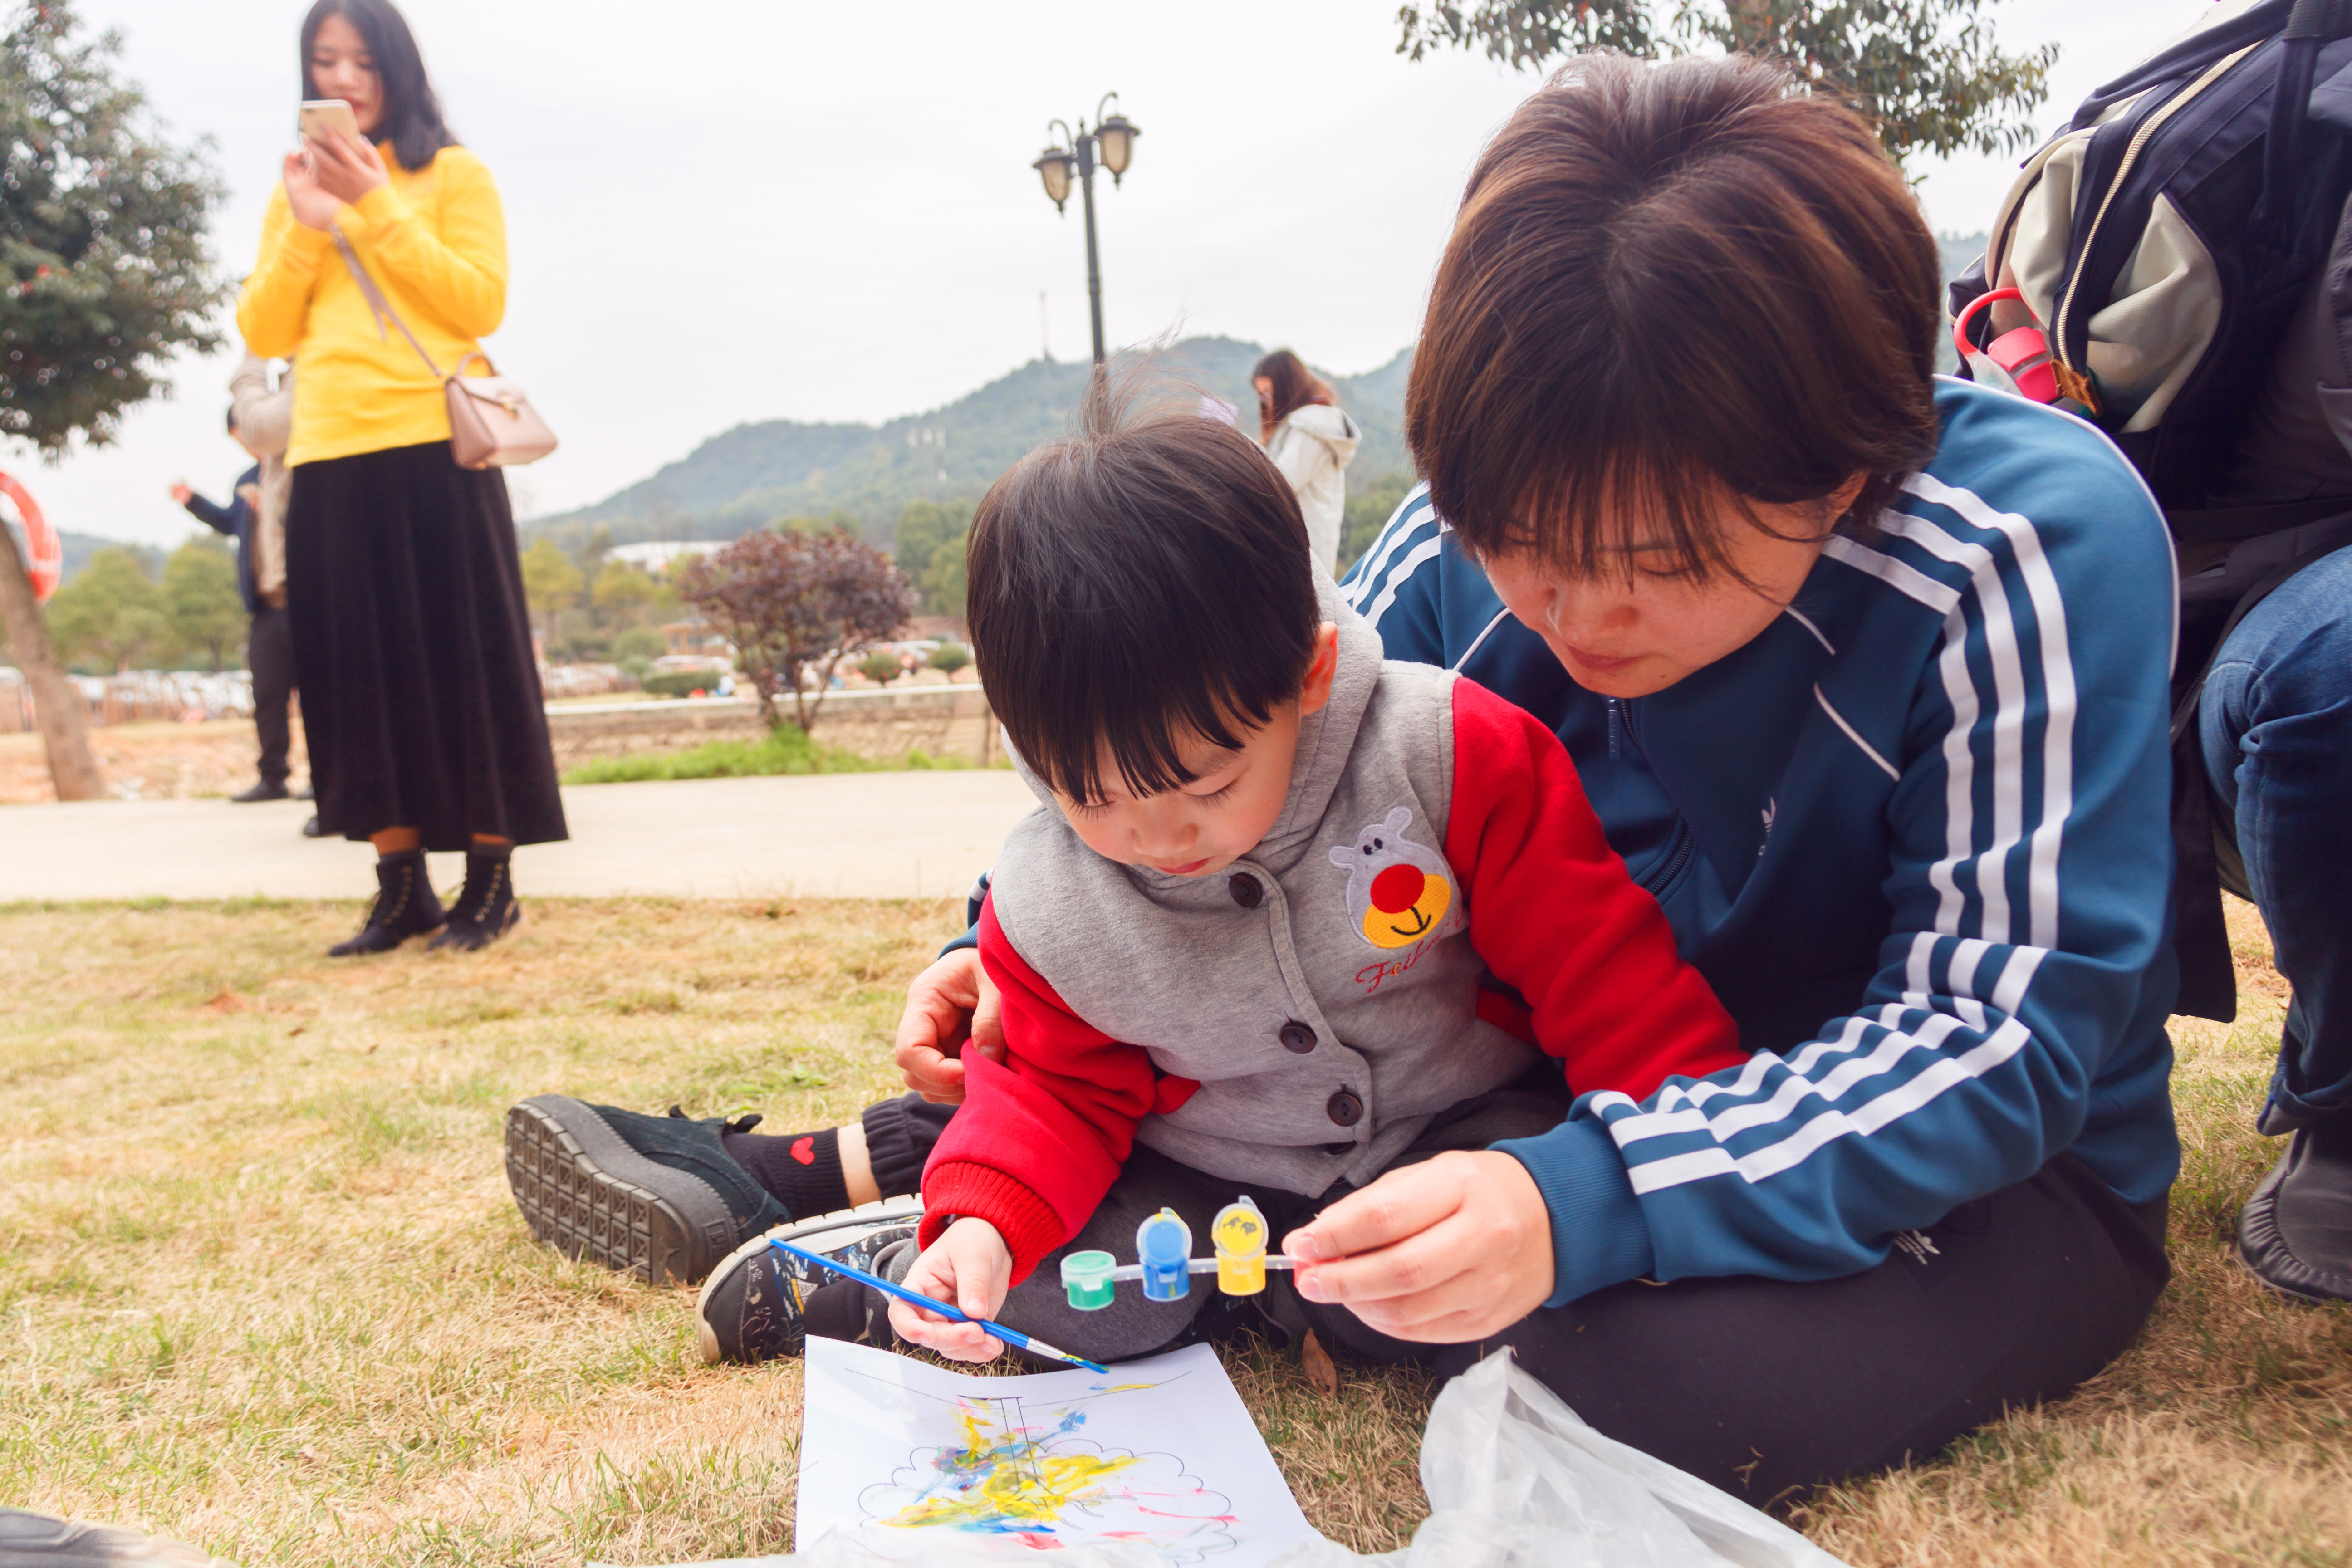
[[261, 1286]]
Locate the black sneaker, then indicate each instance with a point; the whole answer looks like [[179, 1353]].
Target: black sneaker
[[759, 1303], [655, 1196], [44, 1541], [2295, 1232], [265, 790]]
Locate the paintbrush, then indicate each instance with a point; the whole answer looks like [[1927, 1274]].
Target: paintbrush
[[1010, 1336]]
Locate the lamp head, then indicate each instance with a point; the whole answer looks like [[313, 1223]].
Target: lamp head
[[1116, 138], [1055, 166]]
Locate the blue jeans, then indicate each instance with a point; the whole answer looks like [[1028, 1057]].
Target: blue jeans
[[2275, 720]]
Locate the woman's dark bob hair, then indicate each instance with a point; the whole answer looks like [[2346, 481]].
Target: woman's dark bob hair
[[1671, 287], [412, 119], [1143, 581]]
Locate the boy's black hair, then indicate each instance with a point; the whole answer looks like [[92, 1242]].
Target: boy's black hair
[[1140, 583], [412, 119]]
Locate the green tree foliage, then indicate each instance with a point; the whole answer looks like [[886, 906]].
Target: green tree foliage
[[881, 667], [639, 642], [202, 607], [943, 579], [620, 586], [110, 616], [104, 269], [1927, 73], [549, 581], [949, 658]]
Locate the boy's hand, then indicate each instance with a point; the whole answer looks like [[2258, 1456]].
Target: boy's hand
[[950, 1007], [1443, 1252], [182, 493], [970, 1266]]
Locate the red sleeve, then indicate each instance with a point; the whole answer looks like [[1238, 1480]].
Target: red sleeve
[[1554, 913], [1040, 1138]]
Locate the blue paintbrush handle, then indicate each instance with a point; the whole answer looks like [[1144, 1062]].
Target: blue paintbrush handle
[[1010, 1336]]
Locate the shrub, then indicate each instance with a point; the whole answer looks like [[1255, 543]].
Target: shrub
[[881, 668], [949, 658], [681, 683]]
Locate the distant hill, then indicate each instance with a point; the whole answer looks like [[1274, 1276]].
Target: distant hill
[[754, 474]]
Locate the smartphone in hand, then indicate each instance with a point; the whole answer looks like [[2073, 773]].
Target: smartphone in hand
[[323, 119]]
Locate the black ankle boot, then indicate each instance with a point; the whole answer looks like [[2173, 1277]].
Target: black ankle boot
[[486, 910], [404, 907]]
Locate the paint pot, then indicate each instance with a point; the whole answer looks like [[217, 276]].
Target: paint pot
[[1239, 1236], [1085, 1278], [1163, 1245]]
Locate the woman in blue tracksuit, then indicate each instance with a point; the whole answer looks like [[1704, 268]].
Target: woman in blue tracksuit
[[1862, 688], [1854, 665]]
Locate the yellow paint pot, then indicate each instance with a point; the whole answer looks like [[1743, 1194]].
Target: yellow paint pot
[[1239, 1236]]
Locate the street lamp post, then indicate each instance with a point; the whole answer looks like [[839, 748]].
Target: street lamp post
[[1111, 144]]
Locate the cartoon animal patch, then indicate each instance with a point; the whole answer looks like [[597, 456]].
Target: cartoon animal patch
[[1398, 891]]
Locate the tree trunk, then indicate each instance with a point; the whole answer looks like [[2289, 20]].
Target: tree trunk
[[73, 769]]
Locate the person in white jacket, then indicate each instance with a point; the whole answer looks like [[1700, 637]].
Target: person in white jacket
[[1311, 439]]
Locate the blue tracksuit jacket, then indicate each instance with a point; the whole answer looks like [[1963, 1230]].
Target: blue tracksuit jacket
[[1917, 837]]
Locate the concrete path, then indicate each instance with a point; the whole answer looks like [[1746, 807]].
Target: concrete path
[[863, 836]]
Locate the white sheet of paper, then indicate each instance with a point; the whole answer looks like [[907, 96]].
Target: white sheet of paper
[[1161, 1452]]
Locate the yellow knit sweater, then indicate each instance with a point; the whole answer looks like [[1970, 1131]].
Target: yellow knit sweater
[[435, 240]]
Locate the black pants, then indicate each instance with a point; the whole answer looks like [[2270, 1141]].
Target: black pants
[[269, 654], [1763, 1387]]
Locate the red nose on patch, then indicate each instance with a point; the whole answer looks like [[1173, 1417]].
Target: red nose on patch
[[804, 1150], [1398, 889]]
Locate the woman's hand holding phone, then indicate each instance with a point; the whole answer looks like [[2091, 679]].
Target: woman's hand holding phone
[[345, 168], [971, 1265]]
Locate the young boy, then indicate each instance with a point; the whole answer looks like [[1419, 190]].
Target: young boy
[[1247, 947]]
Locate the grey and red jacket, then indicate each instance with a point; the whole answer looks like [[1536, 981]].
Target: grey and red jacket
[[1298, 1018]]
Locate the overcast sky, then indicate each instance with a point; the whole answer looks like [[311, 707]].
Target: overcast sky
[[722, 211]]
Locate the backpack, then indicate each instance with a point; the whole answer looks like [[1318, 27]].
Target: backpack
[[2176, 267]]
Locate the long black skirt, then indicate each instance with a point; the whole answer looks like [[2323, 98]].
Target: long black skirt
[[420, 701]]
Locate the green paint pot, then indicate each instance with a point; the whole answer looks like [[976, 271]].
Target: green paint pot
[[1085, 1277]]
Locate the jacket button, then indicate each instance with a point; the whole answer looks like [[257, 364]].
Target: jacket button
[[1297, 1036], [1345, 1109], [1244, 890]]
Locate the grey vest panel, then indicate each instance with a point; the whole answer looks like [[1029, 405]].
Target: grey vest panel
[[1210, 987]]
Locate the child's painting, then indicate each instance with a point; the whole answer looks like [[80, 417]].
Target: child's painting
[[1160, 1453]]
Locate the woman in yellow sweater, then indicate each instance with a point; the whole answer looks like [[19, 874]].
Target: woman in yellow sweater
[[420, 690]]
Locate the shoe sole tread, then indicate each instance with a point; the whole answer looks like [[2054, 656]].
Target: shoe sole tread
[[583, 1190]]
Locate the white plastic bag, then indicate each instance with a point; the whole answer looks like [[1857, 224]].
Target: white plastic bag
[[1516, 1480]]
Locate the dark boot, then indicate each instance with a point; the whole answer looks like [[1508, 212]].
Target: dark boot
[[404, 907], [2295, 1232], [657, 1196], [268, 789], [486, 910]]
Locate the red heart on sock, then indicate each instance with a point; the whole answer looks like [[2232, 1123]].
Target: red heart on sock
[[804, 1150]]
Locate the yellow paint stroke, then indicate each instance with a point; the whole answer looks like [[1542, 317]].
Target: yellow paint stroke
[[1000, 1481]]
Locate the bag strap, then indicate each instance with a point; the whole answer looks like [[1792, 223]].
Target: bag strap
[[378, 306]]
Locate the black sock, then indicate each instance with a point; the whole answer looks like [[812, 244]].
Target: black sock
[[802, 1169]]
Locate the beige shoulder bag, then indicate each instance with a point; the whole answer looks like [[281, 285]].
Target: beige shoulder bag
[[491, 422]]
